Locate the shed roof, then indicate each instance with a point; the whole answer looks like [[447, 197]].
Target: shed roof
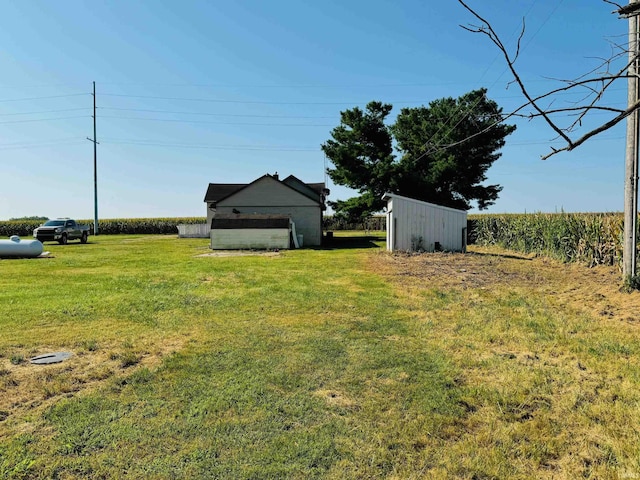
[[228, 221], [311, 190], [220, 191], [388, 196]]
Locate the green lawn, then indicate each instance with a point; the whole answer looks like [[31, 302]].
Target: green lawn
[[322, 363]]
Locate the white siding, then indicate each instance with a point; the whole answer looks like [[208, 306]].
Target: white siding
[[195, 230], [270, 196], [261, 238], [307, 219], [267, 192], [415, 225]]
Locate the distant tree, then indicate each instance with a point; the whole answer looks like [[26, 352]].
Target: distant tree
[[362, 153], [35, 218], [448, 148], [444, 152]]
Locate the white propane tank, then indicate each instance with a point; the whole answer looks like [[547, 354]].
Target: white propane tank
[[16, 248]]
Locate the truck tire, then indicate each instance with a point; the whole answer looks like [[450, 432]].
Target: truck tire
[[83, 238], [63, 239]]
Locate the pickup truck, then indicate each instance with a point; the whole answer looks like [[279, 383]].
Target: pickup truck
[[61, 230]]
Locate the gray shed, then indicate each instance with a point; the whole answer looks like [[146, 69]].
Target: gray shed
[[413, 225], [237, 231], [268, 195]]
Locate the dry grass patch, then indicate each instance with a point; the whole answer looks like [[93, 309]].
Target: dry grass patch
[[594, 290], [549, 356], [26, 388]]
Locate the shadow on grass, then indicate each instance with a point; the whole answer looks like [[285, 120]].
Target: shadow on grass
[[348, 242], [514, 256], [66, 245]]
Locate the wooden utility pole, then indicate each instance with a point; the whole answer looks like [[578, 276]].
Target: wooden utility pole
[[631, 161], [95, 166]]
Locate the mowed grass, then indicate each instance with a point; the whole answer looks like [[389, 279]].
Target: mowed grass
[[336, 363]]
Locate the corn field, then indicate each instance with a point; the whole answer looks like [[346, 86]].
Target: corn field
[[24, 228], [373, 222], [588, 238], [112, 226]]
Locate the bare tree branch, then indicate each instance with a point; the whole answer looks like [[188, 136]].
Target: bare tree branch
[[595, 84], [618, 7], [487, 29], [572, 109], [596, 131]]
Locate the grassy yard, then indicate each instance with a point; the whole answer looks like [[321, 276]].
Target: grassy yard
[[335, 363]]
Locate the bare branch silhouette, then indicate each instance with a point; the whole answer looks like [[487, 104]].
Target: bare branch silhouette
[[594, 83]]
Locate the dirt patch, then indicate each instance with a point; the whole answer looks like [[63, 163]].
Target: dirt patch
[[596, 290], [26, 387], [336, 399], [239, 253]]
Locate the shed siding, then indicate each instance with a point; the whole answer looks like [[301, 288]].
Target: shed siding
[[415, 225], [268, 238], [267, 192], [270, 196], [308, 220], [195, 230]]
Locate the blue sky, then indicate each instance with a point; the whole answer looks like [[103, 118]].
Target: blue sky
[[193, 92]]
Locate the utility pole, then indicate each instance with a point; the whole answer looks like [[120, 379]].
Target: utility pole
[[95, 166], [631, 159]]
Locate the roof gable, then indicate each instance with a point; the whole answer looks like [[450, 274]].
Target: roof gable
[[305, 189], [218, 191], [222, 192], [267, 191], [391, 196]]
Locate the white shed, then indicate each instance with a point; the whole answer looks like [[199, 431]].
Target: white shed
[[413, 225], [238, 231], [268, 195]]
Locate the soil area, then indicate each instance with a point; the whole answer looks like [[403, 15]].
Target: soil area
[[594, 290]]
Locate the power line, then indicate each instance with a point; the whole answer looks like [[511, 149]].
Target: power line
[[149, 143], [216, 114], [275, 148], [289, 86], [248, 102], [218, 123], [469, 110], [471, 107], [28, 146], [67, 139], [43, 119], [43, 111], [42, 98]]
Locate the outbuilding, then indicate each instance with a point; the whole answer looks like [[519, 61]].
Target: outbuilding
[[301, 203], [413, 225], [251, 231]]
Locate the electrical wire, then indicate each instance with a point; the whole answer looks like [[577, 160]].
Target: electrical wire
[[42, 98], [438, 146], [53, 143], [44, 111], [169, 120], [44, 119], [458, 107], [247, 102], [216, 114], [151, 143], [265, 148]]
